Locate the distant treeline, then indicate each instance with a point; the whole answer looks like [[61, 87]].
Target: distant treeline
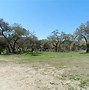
[[16, 39]]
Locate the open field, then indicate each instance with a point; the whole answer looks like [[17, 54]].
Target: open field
[[45, 71]]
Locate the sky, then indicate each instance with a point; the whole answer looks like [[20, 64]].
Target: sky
[[41, 17]]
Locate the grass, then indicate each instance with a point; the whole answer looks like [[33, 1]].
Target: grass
[[68, 59], [71, 88], [76, 65], [83, 83]]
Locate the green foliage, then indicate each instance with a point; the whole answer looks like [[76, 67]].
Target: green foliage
[[83, 33], [74, 77], [83, 83], [20, 40], [19, 30], [54, 39]]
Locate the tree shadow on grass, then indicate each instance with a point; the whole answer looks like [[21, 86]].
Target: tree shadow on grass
[[35, 53]]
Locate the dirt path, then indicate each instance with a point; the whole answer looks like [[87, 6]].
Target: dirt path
[[31, 77]]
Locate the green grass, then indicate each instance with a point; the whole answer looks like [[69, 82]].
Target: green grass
[[65, 57]]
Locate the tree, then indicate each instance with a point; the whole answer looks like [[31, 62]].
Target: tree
[[29, 43], [18, 33], [82, 32], [66, 41], [3, 45], [44, 45], [11, 34], [54, 38], [5, 31]]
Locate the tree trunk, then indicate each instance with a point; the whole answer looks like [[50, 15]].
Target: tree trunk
[[9, 49], [87, 48], [87, 45], [14, 45]]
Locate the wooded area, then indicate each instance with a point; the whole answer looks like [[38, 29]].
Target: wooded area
[[16, 39]]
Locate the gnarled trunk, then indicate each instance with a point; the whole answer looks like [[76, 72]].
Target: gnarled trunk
[[87, 49], [87, 45]]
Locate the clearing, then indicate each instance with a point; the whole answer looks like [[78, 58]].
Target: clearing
[[44, 71]]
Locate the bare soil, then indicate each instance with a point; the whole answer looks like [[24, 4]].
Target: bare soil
[[16, 76]]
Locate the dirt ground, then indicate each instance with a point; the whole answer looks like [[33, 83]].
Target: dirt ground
[[16, 76]]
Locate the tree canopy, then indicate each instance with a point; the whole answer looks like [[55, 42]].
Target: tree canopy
[[82, 32], [17, 39]]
